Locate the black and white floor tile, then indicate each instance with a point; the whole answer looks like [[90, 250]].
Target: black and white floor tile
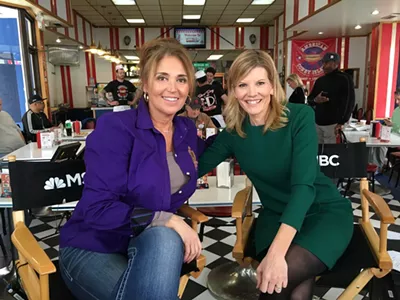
[[218, 244]]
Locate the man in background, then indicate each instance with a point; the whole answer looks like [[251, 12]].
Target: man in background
[[119, 91], [11, 137], [35, 120], [333, 98], [210, 72], [211, 98], [193, 112]]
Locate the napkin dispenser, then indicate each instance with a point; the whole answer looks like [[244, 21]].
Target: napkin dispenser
[[225, 174]]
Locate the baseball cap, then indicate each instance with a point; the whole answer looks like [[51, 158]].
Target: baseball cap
[[331, 56], [200, 74], [35, 98], [119, 67], [195, 103]]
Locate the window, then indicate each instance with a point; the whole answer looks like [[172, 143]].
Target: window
[[19, 69]]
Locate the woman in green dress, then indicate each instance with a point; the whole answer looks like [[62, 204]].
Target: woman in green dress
[[305, 224]]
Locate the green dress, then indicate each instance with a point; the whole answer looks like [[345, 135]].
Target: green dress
[[283, 167]]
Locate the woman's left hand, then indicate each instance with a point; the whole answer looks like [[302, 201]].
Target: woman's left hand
[[272, 274]]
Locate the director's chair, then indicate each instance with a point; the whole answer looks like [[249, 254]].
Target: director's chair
[[39, 276]]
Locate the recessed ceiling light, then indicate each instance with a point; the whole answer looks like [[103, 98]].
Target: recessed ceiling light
[[262, 2], [191, 17], [320, 32], [245, 20], [131, 57], [135, 20], [375, 12], [124, 2], [58, 40], [215, 56], [358, 27], [194, 2], [80, 47]]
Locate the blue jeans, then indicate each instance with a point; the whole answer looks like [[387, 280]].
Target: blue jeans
[[151, 271]]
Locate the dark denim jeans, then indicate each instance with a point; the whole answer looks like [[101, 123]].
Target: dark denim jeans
[[151, 271]]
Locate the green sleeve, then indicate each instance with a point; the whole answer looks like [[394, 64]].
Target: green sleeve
[[220, 150], [304, 168]]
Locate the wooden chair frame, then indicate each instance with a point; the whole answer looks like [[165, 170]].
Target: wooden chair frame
[[34, 266], [242, 206]]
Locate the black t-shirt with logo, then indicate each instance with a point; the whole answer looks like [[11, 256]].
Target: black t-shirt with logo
[[121, 91], [210, 97]]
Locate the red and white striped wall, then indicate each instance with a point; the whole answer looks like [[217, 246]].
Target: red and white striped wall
[[387, 58], [58, 8], [297, 10], [165, 32], [66, 85]]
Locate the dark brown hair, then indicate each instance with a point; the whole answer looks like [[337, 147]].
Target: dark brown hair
[[152, 52]]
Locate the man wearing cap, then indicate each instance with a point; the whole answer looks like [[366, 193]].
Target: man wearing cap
[[193, 112], [119, 91], [35, 120], [333, 98], [211, 98]]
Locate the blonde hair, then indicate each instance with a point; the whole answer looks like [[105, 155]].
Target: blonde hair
[[241, 67], [296, 79], [152, 52]]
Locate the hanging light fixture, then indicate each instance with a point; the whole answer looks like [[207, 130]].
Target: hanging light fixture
[[100, 50], [92, 49]]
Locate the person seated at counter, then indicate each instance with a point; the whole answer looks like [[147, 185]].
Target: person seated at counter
[[35, 120], [297, 234], [192, 111], [123, 240], [10, 135], [119, 91]]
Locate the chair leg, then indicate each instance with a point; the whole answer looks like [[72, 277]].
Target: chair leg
[[373, 182], [3, 247], [357, 285], [182, 285], [3, 221], [391, 174], [201, 233], [349, 181], [397, 180]]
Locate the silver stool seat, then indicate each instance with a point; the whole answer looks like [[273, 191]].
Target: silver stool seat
[[231, 281]]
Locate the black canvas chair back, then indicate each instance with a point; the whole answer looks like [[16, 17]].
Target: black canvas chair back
[[345, 160], [39, 184]]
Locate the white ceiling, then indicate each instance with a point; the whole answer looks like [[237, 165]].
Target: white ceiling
[[50, 38], [341, 18], [103, 13]]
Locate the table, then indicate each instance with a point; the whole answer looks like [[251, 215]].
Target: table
[[212, 196], [99, 111], [31, 152], [77, 138], [354, 137]]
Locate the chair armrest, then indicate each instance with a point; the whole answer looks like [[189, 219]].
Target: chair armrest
[[380, 207], [378, 243], [192, 214], [31, 251], [241, 200]]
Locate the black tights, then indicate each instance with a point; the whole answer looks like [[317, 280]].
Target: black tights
[[303, 267]]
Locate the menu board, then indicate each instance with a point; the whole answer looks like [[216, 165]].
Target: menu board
[[191, 37]]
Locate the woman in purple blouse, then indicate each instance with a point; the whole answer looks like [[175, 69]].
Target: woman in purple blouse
[[123, 240]]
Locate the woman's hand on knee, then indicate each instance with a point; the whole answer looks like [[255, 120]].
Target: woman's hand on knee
[[189, 237], [272, 274]]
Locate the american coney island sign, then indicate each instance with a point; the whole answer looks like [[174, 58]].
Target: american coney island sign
[[307, 58]]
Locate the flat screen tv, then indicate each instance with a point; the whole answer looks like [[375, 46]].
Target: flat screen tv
[[191, 37]]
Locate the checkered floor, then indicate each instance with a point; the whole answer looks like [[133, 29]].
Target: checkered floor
[[218, 243]]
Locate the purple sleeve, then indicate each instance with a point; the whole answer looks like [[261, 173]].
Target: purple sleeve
[[160, 218], [107, 157]]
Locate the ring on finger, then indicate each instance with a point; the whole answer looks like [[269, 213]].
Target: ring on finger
[[278, 289]]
